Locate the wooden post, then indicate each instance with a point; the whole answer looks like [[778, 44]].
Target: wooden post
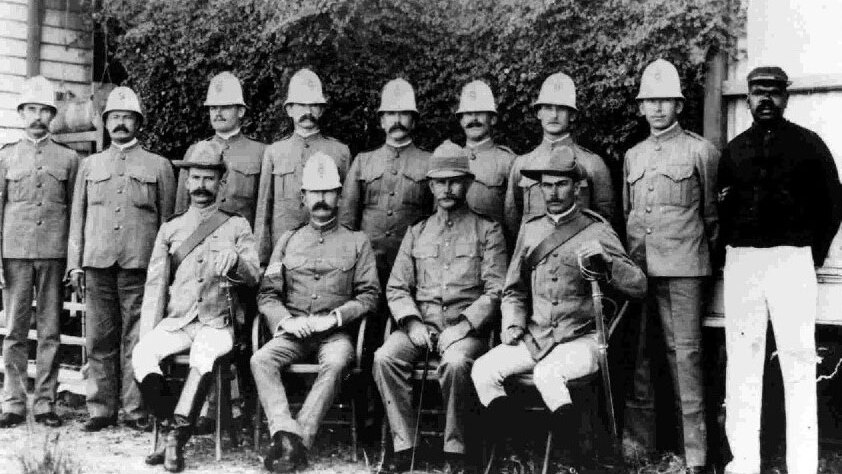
[[714, 125], [33, 38]]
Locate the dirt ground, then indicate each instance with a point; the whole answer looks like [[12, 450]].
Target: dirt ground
[[121, 450]]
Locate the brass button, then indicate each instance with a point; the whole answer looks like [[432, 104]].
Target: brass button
[[123, 158], [392, 193], [39, 204], [38, 185], [119, 191], [200, 299], [315, 297], [389, 212], [118, 209], [648, 209], [38, 152], [658, 147], [648, 230], [555, 303], [651, 188], [200, 260], [39, 222], [40, 168], [450, 223], [306, 145], [223, 199], [116, 227], [394, 171], [201, 280], [388, 233], [555, 278], [317, 276], [122, 174], [321, 240], [444, 308]]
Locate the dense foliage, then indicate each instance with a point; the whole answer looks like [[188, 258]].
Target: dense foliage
[[169, 51]]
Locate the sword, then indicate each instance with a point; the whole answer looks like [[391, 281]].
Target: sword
[[595, 274]]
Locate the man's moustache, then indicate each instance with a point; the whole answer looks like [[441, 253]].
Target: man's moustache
[[474, 124], [201, 192], [309, 117], [322, 205], [120, 128], [37, 124], [398, 126]]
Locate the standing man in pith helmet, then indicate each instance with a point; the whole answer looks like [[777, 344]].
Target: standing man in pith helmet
[[279, 205], [557, 112], [490, 162], [122, 196], [386, 189], [242, 155], [669, 200], [37, 176]]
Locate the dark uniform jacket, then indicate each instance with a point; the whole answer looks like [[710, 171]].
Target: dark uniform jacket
[[238, 193], [385, 192], [555, 305], [318, 270], [194, 291], [120, 200], [491, 164], [279, 205], [449, 266], [36, 189], [779, 187], [669, 200], [525, 201]]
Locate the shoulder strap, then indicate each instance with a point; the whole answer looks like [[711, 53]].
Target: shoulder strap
[[205, 229], [556, 239]]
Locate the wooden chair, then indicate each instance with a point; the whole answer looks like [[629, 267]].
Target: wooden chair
[[586, 387], [260, 335], [223, 376]]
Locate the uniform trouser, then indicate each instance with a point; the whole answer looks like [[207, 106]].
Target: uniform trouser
[[677, 303], [335, 354], [777, 284], [206, 344], [566, 361], [113, 299], [21, 276], [393, 366]]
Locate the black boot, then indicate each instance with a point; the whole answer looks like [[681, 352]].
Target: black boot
[[192, 397], [157, 456], [156, 396], [498, 423], [294, 453], [273, 452]]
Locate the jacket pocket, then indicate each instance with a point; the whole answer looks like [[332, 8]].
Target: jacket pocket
[[340, 278], [97, 184], [676, 186], [425, 260], [285, 182], [242, 179], [57, 187], [413, 185], [467, 262], [373, 182], [19, 186], [142, 188]]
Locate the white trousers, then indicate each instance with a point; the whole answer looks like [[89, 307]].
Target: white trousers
[[566, 361], [206, 344], [777, 284]]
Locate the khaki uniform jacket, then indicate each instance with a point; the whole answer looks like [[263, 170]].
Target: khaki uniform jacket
[[316, 271], [525, 201], [195, 291], [121, 199], [36, 189], [669, 200], [449, 266], [238, 193], [491, 165], [555, 305], [279, 205], [385, 192]]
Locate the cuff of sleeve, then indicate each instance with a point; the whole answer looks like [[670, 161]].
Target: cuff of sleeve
[[338, 315]]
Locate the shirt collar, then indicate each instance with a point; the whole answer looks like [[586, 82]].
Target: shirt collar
[[400, 146], [325, 226], [447, 218], [203, 213], [481, 146], [125, 146], [307, 135], [38, 141], [670, 132], [557, 141], [557, 218], [229, 135]]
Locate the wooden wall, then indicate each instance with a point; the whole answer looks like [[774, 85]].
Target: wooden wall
[[66, 53]]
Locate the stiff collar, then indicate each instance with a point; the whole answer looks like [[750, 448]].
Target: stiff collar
[[228, 136], [484, 145], [563, 140], [39, 141], [203, 213], [324, 226], [564, 216], [446, 218], [305, 136], [774, 128], [673, 131], [125, 147], [399, 146]]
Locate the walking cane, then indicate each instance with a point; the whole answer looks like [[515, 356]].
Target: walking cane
[[420, 404], [594, 271]]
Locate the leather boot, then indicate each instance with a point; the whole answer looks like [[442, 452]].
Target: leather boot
[[273, 452], [295, 454], [499, 422], [186, 412], [156, 395], [157, 455]]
